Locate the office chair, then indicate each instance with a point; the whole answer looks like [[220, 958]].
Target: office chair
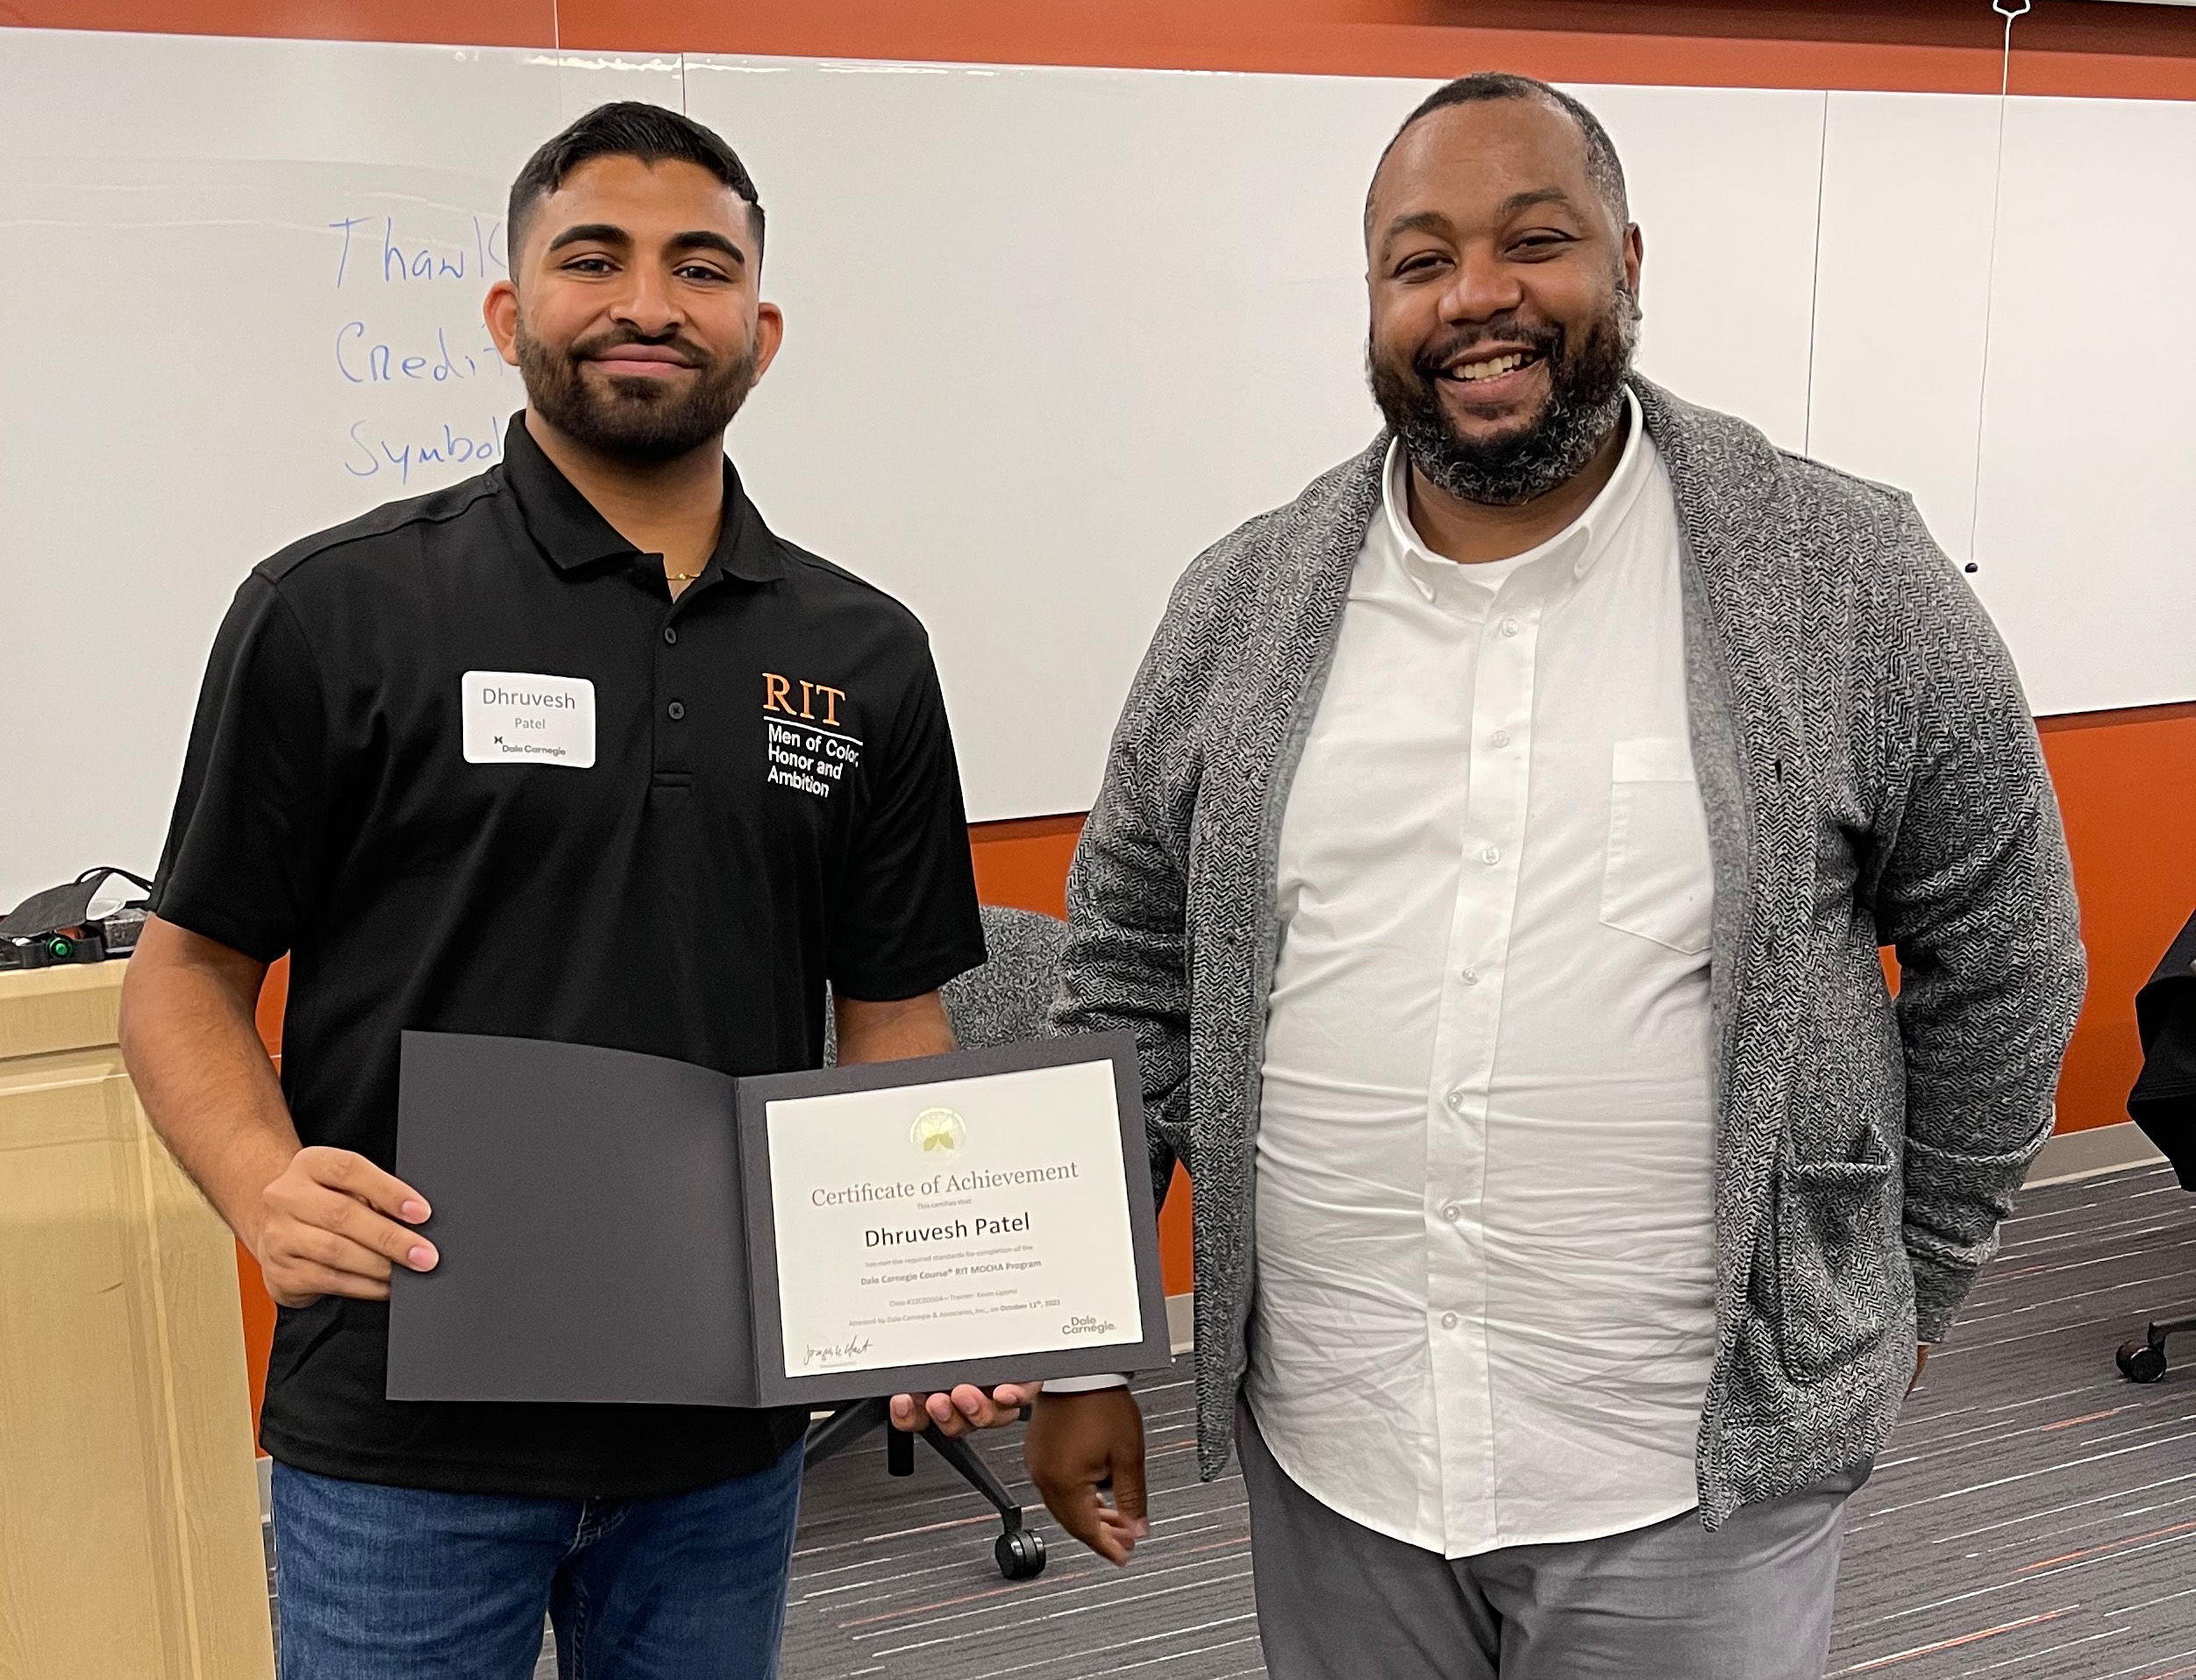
[[1004, 1002], [2163, 1104]]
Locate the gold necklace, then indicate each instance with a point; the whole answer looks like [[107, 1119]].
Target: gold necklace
[[684, 577]]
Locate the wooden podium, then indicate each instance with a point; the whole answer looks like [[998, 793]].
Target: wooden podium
[[129, 1506]]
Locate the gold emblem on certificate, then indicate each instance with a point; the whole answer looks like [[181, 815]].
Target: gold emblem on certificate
[[939, 1131]]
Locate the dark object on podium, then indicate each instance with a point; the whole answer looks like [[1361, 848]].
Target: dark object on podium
[[56, 926], [2163, 1104]]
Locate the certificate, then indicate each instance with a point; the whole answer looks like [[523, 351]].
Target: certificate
[[622, 1228], [993, 1224]]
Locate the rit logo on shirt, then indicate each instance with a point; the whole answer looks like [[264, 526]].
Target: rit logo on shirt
[[777, 696]]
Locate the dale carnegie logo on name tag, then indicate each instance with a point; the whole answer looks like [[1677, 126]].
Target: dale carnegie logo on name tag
[[524, 717]]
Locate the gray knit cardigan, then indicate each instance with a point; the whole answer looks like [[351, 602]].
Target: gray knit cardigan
[[1870, 776]]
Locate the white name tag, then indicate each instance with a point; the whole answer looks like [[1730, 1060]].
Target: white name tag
[[523, 717]]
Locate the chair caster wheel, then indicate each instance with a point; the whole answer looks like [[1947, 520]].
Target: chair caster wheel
[[2141, 1363], [1021, 1555]]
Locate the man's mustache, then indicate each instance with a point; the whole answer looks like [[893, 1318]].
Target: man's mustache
[[603, 344], [1431, 360]]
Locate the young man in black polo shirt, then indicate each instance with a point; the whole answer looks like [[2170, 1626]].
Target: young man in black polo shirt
[[513, 758]]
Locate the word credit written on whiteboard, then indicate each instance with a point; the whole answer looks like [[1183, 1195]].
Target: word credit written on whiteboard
[[431, 393]]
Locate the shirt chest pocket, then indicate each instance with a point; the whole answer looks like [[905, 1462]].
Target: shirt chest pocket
[[1658, 881]]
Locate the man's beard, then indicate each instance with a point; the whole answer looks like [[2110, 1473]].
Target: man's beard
[[1586, 400], [641, 420]]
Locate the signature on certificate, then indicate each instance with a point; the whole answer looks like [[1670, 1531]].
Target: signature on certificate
[[838, 1353]]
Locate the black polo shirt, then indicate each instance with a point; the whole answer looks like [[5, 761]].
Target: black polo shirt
[[467, 762]]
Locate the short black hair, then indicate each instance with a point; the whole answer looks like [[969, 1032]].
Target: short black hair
[[627, 129], [1603, 167]]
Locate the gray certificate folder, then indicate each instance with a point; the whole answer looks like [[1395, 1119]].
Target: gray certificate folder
[[602, 1240]]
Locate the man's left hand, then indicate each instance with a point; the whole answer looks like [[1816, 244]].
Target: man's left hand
[[956, 1411]]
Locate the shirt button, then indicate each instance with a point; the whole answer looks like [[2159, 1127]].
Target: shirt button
[[677, 710], [1470, 976], [1448, 1321], [1452, 1212], [1509, 627], [670, 636], [1456, 1097], [1491, 855], [1502, 737]]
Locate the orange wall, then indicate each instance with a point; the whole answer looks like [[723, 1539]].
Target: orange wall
[[259, 1307], [1024, 863], [2132, 51], [2127, 784]]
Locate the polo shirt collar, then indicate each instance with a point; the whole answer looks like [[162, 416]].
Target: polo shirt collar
[[569, 530]]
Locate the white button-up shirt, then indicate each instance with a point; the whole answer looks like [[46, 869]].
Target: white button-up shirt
[[1485, 1252]]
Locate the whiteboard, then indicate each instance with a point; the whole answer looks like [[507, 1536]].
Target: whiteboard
[[1049, 332], [1944, 358], [2086, 536], [1902, 313]]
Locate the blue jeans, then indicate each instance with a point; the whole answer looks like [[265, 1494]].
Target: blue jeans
[[394, 1583]]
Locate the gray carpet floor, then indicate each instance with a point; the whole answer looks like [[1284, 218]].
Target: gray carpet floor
[[2034, 1516]]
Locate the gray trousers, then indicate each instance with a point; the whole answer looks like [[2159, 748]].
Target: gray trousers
[[1751, 1601]]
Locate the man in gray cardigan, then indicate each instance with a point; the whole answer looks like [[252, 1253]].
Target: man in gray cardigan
[[1492, 865]]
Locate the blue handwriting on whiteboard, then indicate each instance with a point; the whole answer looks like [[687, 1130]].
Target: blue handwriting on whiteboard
[[374, 455], [362, 362], [421, 260]]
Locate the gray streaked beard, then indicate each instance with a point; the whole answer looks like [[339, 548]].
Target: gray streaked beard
[[1585, 403]]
